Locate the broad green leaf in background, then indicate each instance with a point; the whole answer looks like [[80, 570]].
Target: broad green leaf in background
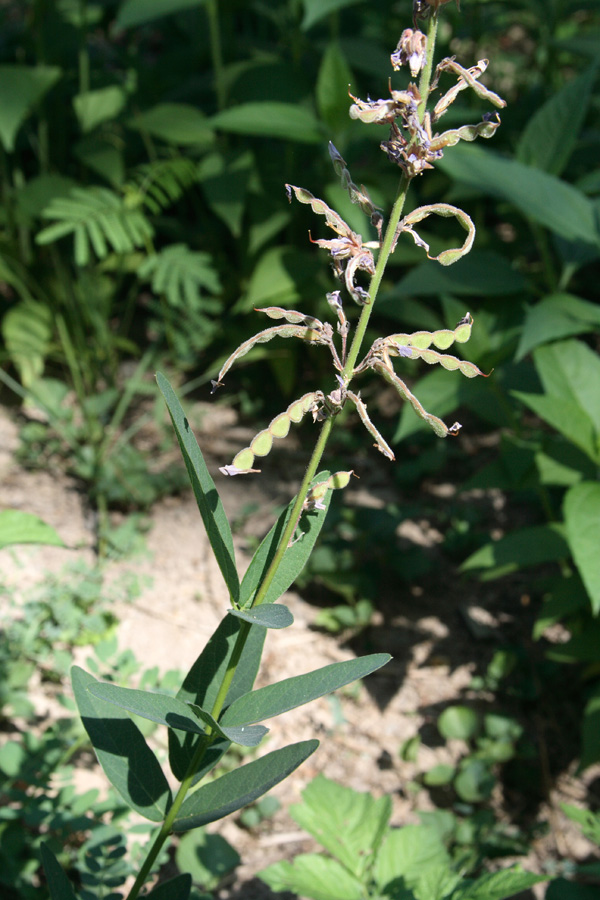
[[21, 87], [175, 123], [313, 875], [315, 10], [590, 744], [278, 698], [94, 107], [553, 203], [127, 760], [406, 852], [459, 722], [480, 273], [551, 134], [279, 278], [225, 182], [581, 507], [207, 497], [27, 331], [177, 888], [18, 527], [139, 12], [287, 121], [570, 371], [567, 418], [36, 194], [59, 885], [350, 825], [98, 152], [295, 557], [498, 885], [236, 789], [332, 88], [521, 548], [209, 858], [173, 713], [556, 316]]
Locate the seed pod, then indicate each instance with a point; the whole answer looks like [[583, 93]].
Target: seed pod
[[451, 363], [314, 498], [262, 443], [440, 428], [291, 315], [446, 257], [422, 340], [380, 442]]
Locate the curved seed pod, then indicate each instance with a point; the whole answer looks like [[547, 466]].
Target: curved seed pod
[[485, 129], [314, 498], [262, 443], [448, 362], [290, 315], [305, 333], [380, 443], [440, 428], [441, 339], [319, 206], [466, 78], [446, 257]]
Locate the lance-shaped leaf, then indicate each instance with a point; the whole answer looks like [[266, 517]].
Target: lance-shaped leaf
[[467, 78], [320, 207], [268, 615], [275, 699], [59, 886], [242, 786], [440, 427], [295, 556], [262, 443], [441, 339], [127, 760], [291, 315], [380, 441], [446, 257], [173, 713], [205, 492], [312, 335], [485, 129]]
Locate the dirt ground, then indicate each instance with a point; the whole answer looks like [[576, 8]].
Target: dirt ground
[[430, 629]]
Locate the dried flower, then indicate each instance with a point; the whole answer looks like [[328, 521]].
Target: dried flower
[[411, 49]]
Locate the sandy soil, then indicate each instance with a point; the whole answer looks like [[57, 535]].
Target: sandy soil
[[424, 626]]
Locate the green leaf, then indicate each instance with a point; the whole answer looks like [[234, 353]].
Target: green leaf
[[287, 121], [568, 418], [207, 497], [570, 371], [269, 615], [173, 713], [94, 107], [21, 88], [350, 825], [439, 775], [498, 885], [556, 316], [127, 760], [209, 858], [18, 527], [242, 786], [313, 875], [181, 275], [581, 648], [315, 10], [521, 548], [551, 134], [474, 782], [590, 754], [581, 507], [405, 853], [480, 273], [459, 722], [278, 698], [175, 123], [27, 331], [553, 203], [38, 192], [295, 557], [59, 886], [177, 888], [204, 679], [332, 87], [139, 12], [225, 181]]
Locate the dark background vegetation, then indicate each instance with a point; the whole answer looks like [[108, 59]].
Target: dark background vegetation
[[144, 148]]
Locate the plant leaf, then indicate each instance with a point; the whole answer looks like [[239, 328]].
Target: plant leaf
[[590, 754], [313, 875], [556, 316], [21, 87], [294, 559], [498, 885], [175, 123], [315, 10], [94, 107], [242, 786], [268, 615], [139, 12], [207, 497], [59, 886], [127, 760], [405, 853], [278, 698], [177, 888], [27, 331], [18, 527], [520, 548], [581, 508], [287, 121]]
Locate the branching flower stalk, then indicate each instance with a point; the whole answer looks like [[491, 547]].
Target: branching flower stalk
[[216, 704]]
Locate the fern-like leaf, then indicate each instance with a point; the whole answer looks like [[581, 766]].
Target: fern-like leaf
[[159, 184], [181, 275], [100, 221]]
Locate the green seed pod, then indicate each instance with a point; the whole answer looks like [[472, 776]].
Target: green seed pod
[[422, 340]]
